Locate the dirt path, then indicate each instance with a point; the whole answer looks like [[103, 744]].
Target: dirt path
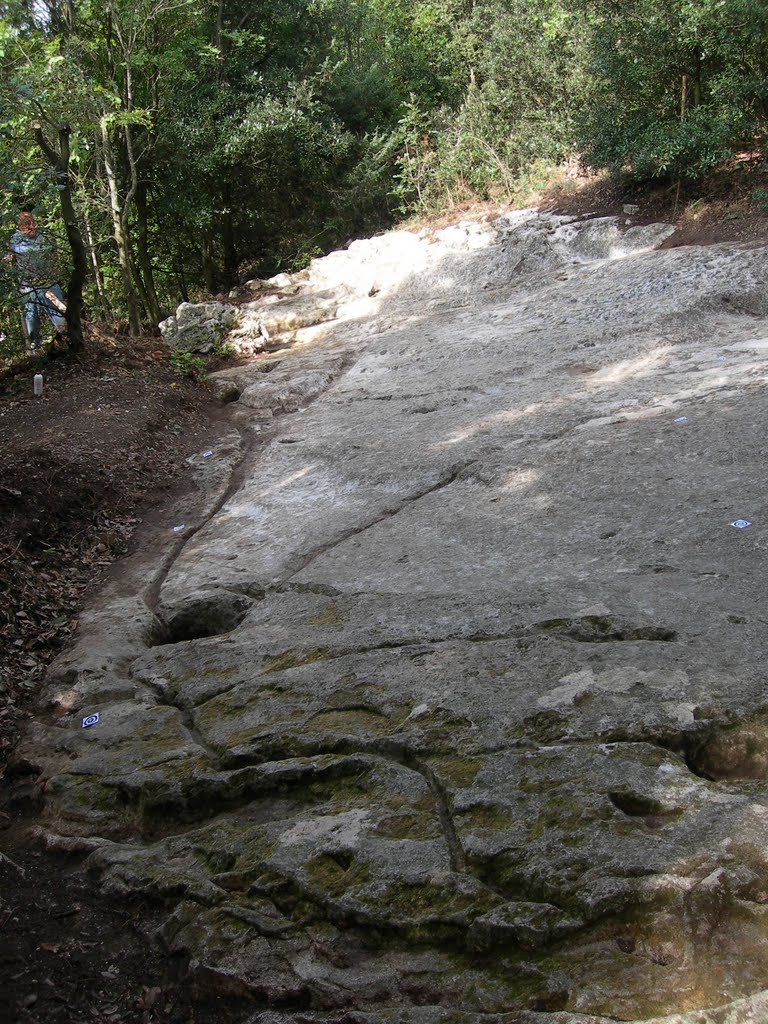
[[100, 453]]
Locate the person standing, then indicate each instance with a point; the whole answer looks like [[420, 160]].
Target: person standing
[[34, 257]]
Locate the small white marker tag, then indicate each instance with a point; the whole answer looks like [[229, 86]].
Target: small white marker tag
[[741, 524], [91, 720]]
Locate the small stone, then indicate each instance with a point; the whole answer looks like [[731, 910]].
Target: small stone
[[418, 712]]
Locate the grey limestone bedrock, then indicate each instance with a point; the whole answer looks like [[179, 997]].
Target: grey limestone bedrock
[[447, 704]]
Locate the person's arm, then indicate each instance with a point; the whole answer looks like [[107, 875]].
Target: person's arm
[[10, 256]]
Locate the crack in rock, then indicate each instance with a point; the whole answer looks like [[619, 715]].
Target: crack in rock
[[303, 562], [603, 629]]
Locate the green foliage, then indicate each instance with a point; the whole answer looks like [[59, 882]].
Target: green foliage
[[361, 98], [245, 139], [188, 365], [519, 104], [222, 349], [676, 87]]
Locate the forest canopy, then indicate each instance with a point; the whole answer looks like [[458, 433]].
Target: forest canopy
[[176, 147]]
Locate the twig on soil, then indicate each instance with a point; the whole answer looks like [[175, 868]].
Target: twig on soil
[[5, 859], [67, 913], [10, 554]]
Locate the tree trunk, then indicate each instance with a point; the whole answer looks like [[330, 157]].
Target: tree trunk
[[104, 307], [79, 271], [181, 280], [59, 161], [228, 246], [698, 84], [143, 256], [121, 207], [217, 41], [138, 286], [210, 271], [120, 235]]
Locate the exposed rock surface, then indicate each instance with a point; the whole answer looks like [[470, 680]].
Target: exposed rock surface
[[199, 327], [448, 702]]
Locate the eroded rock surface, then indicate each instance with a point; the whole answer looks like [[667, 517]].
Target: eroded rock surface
[[449, 705]]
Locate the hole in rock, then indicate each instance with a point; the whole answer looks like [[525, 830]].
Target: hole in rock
[[551, 1002], [749, 303], [695, 769], [343, 858], [201, 616], [736, 752], [636, 805]]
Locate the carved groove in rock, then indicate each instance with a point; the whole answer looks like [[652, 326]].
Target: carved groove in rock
[[447, 478], [600, 629], [235, 479]]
